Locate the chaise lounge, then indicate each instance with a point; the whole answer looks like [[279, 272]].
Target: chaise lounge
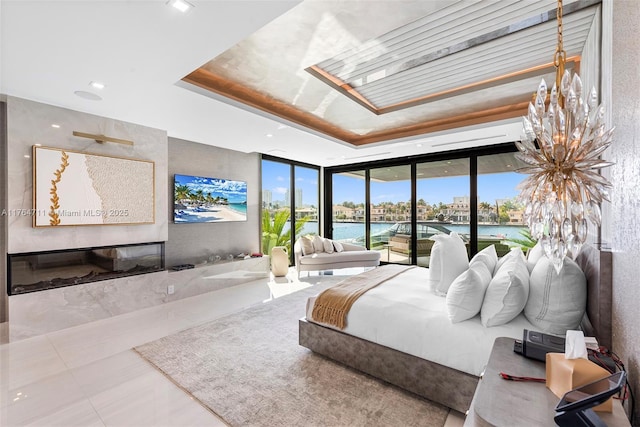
[[319, 254]]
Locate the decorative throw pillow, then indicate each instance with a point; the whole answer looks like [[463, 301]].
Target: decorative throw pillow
[[488, 256], [338, 246], [466, 293], [556, 302], [448, 260], [328, 246], [534, 255], [307, 246], [318, 244], [514, 252], [507, 293]]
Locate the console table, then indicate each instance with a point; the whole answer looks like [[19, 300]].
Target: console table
[[499, 402]]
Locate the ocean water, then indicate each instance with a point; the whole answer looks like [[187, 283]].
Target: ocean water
[[238, 207]]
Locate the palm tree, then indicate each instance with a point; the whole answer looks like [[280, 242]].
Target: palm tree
[[273, 233], [526, 241], [182, 192]]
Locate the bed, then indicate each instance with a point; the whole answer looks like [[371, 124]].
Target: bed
[[446, 369]]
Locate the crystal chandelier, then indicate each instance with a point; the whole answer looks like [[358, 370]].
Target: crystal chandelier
[[563, 189]]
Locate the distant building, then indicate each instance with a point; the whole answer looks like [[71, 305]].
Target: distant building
[[267, 198]]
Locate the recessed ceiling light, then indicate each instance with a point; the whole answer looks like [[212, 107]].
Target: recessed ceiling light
[[88, 95], [269, 135], [55, 126], [181, 5], [96, 85]]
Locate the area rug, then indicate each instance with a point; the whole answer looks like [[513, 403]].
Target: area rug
[[249, 370]]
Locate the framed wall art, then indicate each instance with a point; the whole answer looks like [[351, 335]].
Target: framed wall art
[[75, 188]]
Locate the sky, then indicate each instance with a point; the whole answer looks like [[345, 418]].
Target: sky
[[275, 177]]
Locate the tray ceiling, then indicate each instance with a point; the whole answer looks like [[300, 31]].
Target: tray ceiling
[[365, 72]]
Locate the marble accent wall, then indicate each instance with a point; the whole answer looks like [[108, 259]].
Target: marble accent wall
[[54, 309], [623, 214], [194, 243], [29, 123], [215, 276]]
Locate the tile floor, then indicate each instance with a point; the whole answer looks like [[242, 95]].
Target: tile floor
[[89, 376]]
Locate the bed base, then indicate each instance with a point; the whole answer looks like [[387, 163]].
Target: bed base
[[449, 387]]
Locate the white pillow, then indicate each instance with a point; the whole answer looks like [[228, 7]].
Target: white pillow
[[514, 252], [338, 246], [448, 260], [318, 244], [466, 293], [507, 293], [488, 256], [328, 246], [307, 246], [534, 255], [556, 302]]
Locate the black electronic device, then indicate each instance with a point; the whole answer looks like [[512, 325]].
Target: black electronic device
[[536, 345], [574, 409]]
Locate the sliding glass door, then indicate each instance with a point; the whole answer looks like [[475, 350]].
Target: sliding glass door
[[443, 193], [290, 200], [390, 213], [348, 207], [500, 215], [396, 206]]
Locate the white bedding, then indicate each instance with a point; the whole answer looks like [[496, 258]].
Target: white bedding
[[404, 315]]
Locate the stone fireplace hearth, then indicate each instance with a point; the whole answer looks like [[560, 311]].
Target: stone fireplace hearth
[[39, 271]]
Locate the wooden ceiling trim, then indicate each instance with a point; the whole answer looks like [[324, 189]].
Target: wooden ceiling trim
[[342, 87], [236, 91], [230, 89], [448, 123]]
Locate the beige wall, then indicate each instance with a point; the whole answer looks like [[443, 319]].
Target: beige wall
[[194, 243], [623, 214]]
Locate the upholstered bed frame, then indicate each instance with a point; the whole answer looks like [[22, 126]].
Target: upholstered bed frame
[[439, 383]]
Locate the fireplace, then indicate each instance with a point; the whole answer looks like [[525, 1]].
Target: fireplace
[[38, 271]]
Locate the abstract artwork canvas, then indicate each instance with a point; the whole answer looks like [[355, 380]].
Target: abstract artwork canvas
[[75, 188]]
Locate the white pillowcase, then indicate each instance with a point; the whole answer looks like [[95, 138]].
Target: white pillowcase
[[327, 246], [534, 255], [507, 293], [338, 246], [307, 246], [466, 293], [514, 252], [318, 244], [448, 260], [488, 256], [556, 302]]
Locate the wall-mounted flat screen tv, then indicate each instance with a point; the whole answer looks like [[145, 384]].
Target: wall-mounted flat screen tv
[[201, 199]]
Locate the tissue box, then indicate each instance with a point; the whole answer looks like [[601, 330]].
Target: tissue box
[[566, 374]]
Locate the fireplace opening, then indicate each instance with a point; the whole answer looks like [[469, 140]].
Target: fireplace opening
[[38, 271]]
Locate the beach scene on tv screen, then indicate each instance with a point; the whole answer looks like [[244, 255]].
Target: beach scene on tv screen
[[201, 199]]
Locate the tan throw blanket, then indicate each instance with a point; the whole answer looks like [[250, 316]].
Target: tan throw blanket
[[333, 304]]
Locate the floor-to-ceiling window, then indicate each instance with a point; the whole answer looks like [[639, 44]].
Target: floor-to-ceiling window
[[390, 213], [500, 214], [290, 201], [444, 198], [396, 205], [348, 207]]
